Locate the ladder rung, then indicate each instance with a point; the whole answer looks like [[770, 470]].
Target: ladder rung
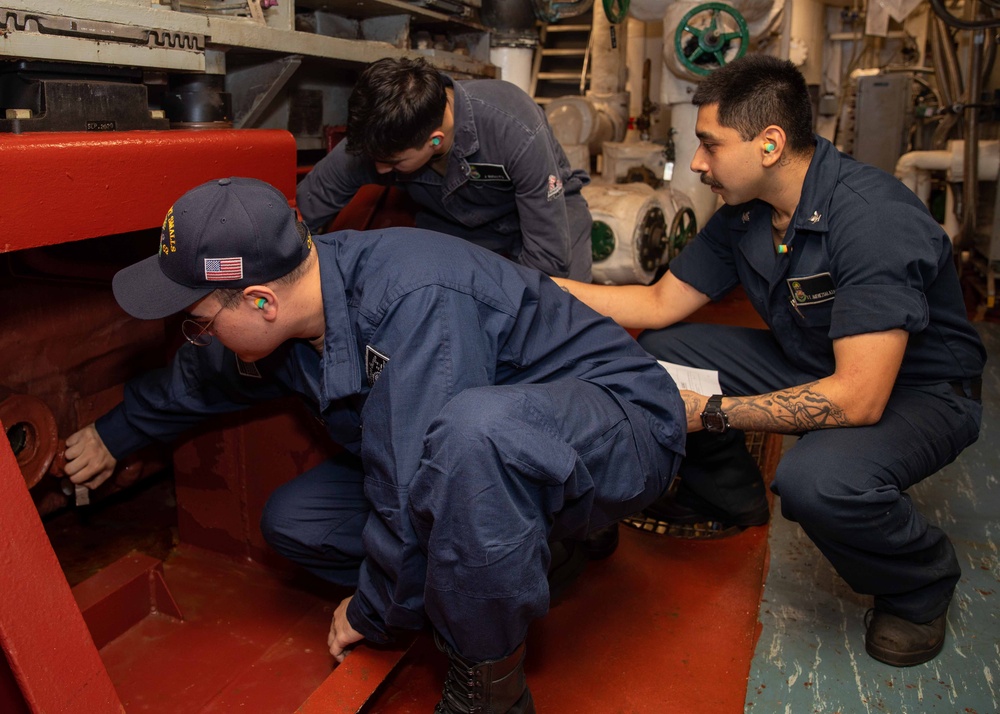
[[564, 53], [560, 76], [549, 100], [568, 28]]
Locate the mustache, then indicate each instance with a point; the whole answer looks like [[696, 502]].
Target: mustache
[[710, 181]]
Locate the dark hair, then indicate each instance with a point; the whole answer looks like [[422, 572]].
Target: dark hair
[[756, 91], [396, 105]]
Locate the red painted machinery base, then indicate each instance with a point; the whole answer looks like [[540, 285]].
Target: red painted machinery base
[[62, 187]]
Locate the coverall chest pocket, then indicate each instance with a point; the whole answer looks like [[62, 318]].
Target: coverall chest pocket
[[486, 192], [810, 299], [485, 204], [811, 315]]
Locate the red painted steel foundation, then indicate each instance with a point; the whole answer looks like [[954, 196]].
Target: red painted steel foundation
[[221, 624], [76, 207]]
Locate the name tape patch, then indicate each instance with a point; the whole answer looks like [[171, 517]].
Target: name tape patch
[[812, 289], [488, 172]]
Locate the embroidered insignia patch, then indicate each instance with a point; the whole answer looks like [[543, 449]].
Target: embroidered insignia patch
[[375, 362], [223, 268], [488, 172], [247, 369], [168, 236], [555, 188], [812, 289]]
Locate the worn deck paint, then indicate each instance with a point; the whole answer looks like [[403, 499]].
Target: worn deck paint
[[810, 658]]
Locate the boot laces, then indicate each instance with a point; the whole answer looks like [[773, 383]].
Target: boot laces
[[463, 690]]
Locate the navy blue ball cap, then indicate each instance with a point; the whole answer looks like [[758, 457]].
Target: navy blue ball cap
[[227, 233]]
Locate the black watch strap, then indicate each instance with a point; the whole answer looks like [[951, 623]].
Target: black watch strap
[[713, 418]]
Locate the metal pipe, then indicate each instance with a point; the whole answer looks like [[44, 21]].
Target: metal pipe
[[607, 73], [509, 16], [944, 71], [990, 59], [514, 39], [942, 12], [970, 186], [951, 226], [914, 168], [785, 43], [853, 36], [549, 11], [949, 79]]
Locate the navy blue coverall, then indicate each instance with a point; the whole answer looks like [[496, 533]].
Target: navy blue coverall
[[508, 185], [865, 256], [484, 412]]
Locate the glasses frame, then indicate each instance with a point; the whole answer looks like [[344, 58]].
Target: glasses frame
[[203, 336]]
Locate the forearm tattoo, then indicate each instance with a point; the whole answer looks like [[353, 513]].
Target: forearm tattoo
[[786, 412], [692, 407]]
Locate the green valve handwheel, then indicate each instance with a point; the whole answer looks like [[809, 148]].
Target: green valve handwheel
[[683, 228], [602, 241], [702, 47], [615, 10]]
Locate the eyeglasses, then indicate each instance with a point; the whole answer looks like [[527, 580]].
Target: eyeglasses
[[197, 332]]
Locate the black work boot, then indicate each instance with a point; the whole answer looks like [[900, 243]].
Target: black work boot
[[602, 543], [569, 557], [683, 513], [496, 687], [901, 643], [720, 491]]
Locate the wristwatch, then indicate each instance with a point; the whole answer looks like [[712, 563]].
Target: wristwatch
[[713, 418]]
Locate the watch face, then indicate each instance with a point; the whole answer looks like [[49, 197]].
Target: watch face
[[714, 421]]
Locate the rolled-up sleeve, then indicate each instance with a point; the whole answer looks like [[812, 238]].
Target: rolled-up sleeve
[[882, 284]]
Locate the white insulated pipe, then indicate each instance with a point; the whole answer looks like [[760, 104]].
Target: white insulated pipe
[[607, 62], [951, 223], [914, 170], [515, 64], [684, 117], [809, 28], [645, 43], [988, 153]]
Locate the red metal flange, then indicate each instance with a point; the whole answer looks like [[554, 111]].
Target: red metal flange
[[32, 433]]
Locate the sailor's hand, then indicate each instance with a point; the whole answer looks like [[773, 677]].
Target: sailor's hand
[[88, 460], [342, 635]]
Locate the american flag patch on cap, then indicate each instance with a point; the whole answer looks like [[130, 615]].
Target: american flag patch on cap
[[223, 268]]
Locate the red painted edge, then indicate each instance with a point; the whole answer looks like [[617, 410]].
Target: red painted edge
[[42, 631], [355, 680]]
